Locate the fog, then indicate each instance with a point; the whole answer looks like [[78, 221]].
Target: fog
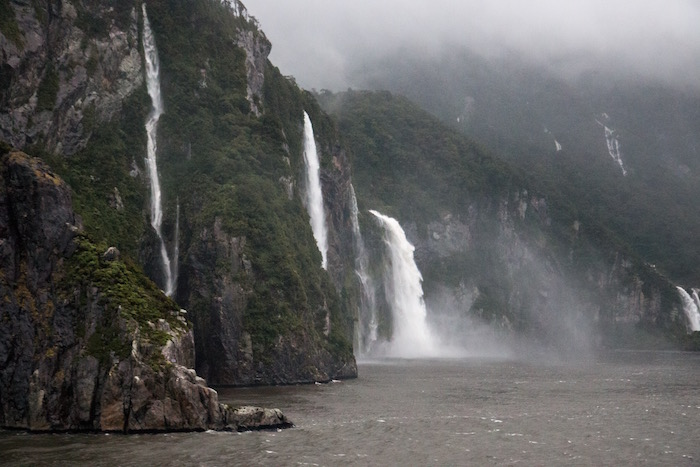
[[324, 44]]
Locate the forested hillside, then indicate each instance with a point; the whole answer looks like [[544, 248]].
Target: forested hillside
[[229, 162], [560, 130], [502, 246]]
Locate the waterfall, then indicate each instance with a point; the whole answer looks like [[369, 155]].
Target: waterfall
[[696, 299], [314, 195], [614, 148], [153, 84], [366, 334], [411, 336], [691, 308], [612, 143]]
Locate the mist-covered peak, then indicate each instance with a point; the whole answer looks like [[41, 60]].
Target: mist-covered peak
[[324, 44]]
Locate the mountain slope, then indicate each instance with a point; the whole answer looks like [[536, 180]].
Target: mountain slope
[[492, 244], [87, 342], [525, 112], [229, 154]]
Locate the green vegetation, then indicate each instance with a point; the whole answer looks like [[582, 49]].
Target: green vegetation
[[95, 18], [411, 166], [124, 292], [94, 173], [8, 24], [48, 89], [221, 163], [507, 102]]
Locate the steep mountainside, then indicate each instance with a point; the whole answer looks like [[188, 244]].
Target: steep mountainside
[[85, 336], [229, 162], [621, 149], [492, 244]]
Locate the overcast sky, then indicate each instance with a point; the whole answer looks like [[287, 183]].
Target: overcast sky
[[322, 42]]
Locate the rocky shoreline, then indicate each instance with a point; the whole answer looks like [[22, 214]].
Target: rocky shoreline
[[88, 343]]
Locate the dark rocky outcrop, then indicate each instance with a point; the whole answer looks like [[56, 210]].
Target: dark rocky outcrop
[[253, 418], [87, 342]]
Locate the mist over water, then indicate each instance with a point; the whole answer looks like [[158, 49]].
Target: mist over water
[[411, 337], [442, 326], [417, 333]]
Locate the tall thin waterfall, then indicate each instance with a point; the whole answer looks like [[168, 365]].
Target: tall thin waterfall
[[691, 308], [314, 194], [366, 334], [411, 336], [153, 84]]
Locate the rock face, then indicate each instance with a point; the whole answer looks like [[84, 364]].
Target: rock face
[[254, 418], [225, 349], [257, 48], [87, 343], [518, 276], [73, 89], [59, 80]]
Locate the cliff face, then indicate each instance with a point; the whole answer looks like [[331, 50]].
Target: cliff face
[[87, 343], [229, 157], [59, 79], [502, 263]]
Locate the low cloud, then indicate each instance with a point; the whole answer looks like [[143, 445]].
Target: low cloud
[[322, 43]]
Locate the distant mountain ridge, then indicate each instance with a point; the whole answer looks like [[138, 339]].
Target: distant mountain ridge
[[495, 244], [557, 130]]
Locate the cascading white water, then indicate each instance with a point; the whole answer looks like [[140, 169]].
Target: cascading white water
[[614, 148], [411, 336], [691, 308], [612, 143], [153, 84], [314, 194], [367, 322], [696, 299]]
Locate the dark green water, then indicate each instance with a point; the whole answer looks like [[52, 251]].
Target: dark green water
[[626, 408]]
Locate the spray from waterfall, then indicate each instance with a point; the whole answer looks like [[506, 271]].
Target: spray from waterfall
[[691, 308], [314, 194], [366, 332], [153, 84], [411, 336]]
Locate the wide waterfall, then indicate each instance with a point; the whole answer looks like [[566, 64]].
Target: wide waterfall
[[691, 308], [366, 332], [314, 194], [411, 336], [153, 84]]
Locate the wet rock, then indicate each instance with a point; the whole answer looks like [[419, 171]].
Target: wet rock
[[111, 254], [254, 418], [73, 353]]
